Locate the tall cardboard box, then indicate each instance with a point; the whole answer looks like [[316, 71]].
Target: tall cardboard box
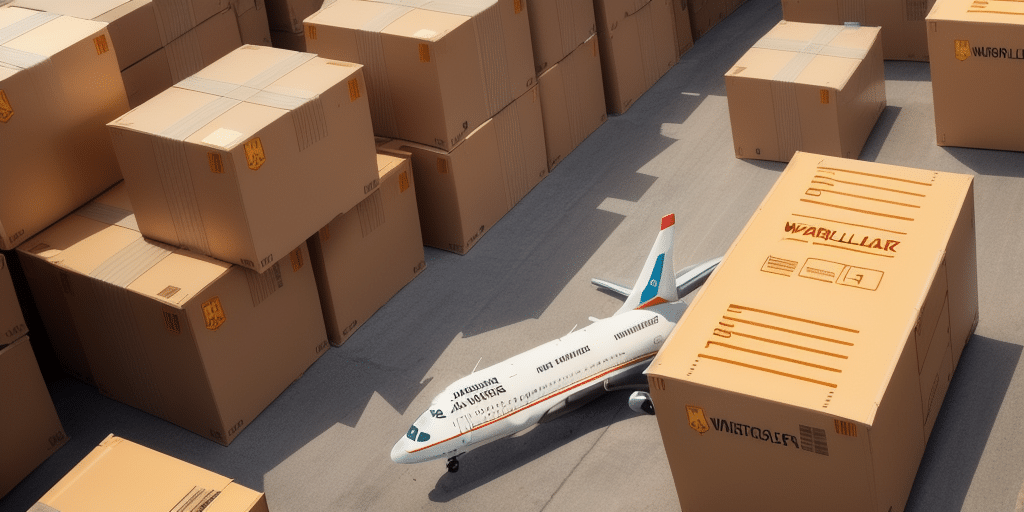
[[434, 72], [815, 358], [367, 254], [572, 100], [976, 52], [12, 321], [249, 157], [461, 194], [557, 28], [59, 84], [705, 14], [684, 34], [903, 26], [122, 476], [807, 87], [198, 342], [31, 429], [636, 49]]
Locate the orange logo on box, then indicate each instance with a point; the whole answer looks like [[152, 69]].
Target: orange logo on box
[[6, 111], [213, 312], [403, 182], [296, 257], [518, 6], [824, 96], [698, 420], [216, 164], [311, 32], [353, 89], [963, 49], [101, 45], [424, 52], [254, 155]]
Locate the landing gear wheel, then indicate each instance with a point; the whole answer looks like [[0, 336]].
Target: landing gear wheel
[[453, 465]]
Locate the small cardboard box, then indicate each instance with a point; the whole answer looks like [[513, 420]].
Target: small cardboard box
[[807, 87], [902, 23], [572, 100], [32, 430], [201, 343], [820, 350], [557, 28], [705, 14], [976, 52], [121, 476], [12, 321], [636, 49], [249, 157], [59, 83], [461, 194], [435, 72], [367, 254]]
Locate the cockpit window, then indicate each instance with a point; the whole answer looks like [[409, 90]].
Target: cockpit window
[[415, 435]]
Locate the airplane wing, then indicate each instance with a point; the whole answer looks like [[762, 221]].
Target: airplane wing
[[618, 289], [687, 279]]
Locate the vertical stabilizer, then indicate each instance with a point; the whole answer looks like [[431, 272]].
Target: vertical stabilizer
[[657, 282]]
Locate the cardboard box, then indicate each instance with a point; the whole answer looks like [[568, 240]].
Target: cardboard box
[[705, 14], [52, 138], [807, 87], [288, 40], [367, 254], [198, 342], [32, 430], [435, 72], [903, 27], [249, 157], [572, 101], [287, 15], [121, 476], [182, 58], [253, 25], [461, 194], [12, 321], [557, 27], [815, 358], [636, 50], [976, 50], [684, 34]]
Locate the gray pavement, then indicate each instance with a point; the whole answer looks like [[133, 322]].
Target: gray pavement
[[324, 444]]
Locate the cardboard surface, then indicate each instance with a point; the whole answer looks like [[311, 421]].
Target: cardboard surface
[[52, 138], [557, 28], [975, 53], [572, 101], [636, 50], [902, 22], [288, 40], [807, 87], [121, 476], [32, 430], [367, 254], [250, 156], [823, 344], [287, 15], [684, 34], [253, 26], [705, 14], [12, 321]]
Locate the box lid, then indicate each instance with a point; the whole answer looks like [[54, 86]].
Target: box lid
[[1006, 13], [29, 35], [429, 21], [817, 297], [89, 10]]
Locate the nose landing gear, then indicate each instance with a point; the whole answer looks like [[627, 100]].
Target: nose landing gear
[[453, 465]]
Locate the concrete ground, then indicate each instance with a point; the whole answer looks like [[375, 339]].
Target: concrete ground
[[324, 444]]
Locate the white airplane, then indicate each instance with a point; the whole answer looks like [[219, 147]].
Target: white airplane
[[543, 382]]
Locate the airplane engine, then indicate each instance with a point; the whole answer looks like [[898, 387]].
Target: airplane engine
[[641, 402]]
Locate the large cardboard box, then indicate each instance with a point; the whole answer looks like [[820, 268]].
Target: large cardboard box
[[461, 194], [815, 358], [572, 101], [121, 476], [249, 157], [12, 321], [807, 87], [31, 429], [367, 254], [182, 57], [902, 23], [976, 54], [705, 14], [636, 49], [287, 15], [435, 72], [253, 26], [684, 35], [201, 343], [557, 27], [59, 83]]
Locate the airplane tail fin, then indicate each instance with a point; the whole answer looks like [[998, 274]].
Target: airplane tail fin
[[657, 283]]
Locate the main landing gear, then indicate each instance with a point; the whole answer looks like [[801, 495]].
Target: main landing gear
[[453, 465]]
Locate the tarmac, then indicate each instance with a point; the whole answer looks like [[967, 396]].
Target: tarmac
[[324, 444]]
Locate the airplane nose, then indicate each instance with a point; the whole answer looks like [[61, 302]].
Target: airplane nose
[[399, 453]]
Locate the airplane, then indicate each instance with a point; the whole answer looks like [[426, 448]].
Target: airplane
[[551, 379]]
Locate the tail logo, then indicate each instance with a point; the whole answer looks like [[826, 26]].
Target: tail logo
[[652, 286]]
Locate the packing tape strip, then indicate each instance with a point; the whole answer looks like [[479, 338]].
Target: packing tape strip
[[26, 25], [128, 264], [820, 44], [108, 214], [787, 117]]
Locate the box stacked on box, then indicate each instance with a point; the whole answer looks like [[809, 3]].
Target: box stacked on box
[[807, 87], [902, 22], [822, 346], [572, 100], [557, 28]]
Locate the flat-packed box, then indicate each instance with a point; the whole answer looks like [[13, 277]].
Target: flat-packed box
[[705, 14], [198, 342], [367, 254], [684, 35], [12, 321], [287, 15], [572, 101], [807, 87], [976, 52], [249, 157], [816, 357], [32, 430], [557, 27], [122, 476], [902, 22], [59, 84], [182, 57], [462, 193], [636, 49], [434, 72]]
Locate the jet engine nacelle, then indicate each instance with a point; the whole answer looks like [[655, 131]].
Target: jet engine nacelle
[[641, 402]]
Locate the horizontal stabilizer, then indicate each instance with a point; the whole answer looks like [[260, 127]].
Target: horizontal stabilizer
[[687, 280]]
